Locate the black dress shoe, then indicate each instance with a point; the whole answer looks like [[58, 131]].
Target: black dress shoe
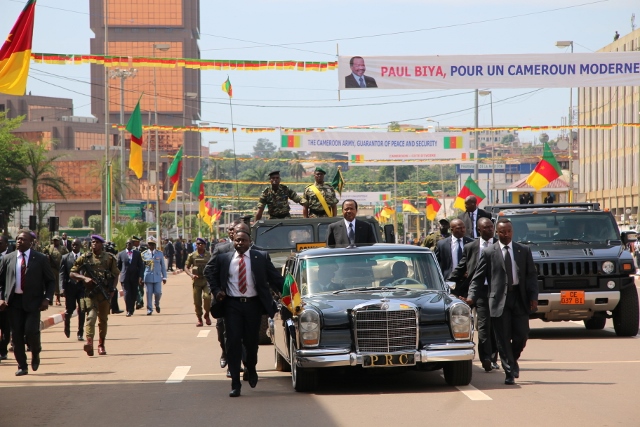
[[494, 365], [35, 361], [516, 373], [223, 360], [233, 393], [117, 311], [245, 375], [21, 372], [157, 309], [509, 381], [486, 365], [80, 338], [228, 373], [253, 379]]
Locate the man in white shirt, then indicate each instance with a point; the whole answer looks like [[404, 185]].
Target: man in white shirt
[[471, 216], [349, 231]]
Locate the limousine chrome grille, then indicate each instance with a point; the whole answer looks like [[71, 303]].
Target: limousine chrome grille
[[386, 331]]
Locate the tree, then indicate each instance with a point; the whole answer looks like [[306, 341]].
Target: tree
[[95, 222], [394, 127], [507, 139], [11, 147], [75, 222], [40, 171], [264, 148], [296, 170]]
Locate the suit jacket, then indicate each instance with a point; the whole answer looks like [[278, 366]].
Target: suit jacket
[[66, 244], [66, 282], [464, 216], [154, 269], [350, 82], [130, 271], [463, 272], [265, 277], [443, 254], [491, 267], [40, 281], [337, 234], [169, 250]]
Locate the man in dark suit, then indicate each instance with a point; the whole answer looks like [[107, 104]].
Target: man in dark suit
[[169, 252], [471, 216], [511, 278], [357, 79], [449, 250], [66, 242], [73, 291], [5, 325], [179, 249], [462, 275], [242, 282], [349, 232], [131, 273], [27, 284]]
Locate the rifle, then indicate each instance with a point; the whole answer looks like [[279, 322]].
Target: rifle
[[101, 279]]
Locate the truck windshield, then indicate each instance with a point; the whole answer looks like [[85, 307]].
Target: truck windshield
[[588, 227], [283, 237]]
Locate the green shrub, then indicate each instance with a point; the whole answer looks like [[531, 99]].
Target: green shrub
[[75, 222]]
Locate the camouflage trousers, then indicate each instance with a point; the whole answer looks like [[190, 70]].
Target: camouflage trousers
[[201, 294], [97, 308]]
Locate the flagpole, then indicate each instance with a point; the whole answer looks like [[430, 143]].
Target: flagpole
[[235, 159]]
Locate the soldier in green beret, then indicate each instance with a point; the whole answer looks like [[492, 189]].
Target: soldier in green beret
[[276, 197], [319, 199], [194, 267]]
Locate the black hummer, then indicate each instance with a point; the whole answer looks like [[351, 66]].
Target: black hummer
[[584, 271]]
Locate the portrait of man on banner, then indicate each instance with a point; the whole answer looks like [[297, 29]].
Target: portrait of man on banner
[[357, 79]]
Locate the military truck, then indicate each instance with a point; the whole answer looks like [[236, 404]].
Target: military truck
[[584, 271]]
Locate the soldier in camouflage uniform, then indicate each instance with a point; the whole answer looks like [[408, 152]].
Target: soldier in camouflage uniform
[[312, 206], [277, 198], [432, 239], [55, 251], [196, 261], [98, 263]]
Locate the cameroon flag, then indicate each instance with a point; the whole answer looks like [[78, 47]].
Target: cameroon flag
[[174, 173], [470, 189], [546, 171], [338, 182], [291, 295], [197, 189], [408, 207], [134, 125], [226, 87], [433, 205], [15, 54]]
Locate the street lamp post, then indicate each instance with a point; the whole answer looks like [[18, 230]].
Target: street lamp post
[[569, 43], [493, 153], [162, 47]]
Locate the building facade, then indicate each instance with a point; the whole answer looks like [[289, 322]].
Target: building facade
[[610, 159]]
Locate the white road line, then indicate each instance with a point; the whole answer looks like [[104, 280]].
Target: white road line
[[471, 392], [178, 374], [204, 333]]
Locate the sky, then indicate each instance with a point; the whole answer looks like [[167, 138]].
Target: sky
[[310, 30]]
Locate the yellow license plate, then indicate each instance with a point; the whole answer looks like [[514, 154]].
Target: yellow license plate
[[572, 297], [382, 360]]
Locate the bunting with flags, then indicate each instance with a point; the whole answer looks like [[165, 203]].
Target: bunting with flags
[[470, 188], [15, 54], [433, 205], [175, 171], [134, 126], [546, 171]]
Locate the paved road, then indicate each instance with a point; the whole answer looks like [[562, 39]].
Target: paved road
[[163, 371]]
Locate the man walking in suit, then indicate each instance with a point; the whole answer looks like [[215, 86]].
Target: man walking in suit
[[66, 242], [241, 281], [131, 273], [5, 325], [349, 232], [27, 285], [169, 252], [511, 278], [73, 291], [449, 250], [357, 79], [179, 249], [462, 275], [471, 216], [155, 275]]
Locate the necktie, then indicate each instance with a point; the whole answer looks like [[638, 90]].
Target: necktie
[[23, 271], [242, 276], [362, 82], [484, 245], [459, 251], [508, 266], [351, 234]]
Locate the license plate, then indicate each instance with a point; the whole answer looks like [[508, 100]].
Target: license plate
[[572, 297], [381, 360]]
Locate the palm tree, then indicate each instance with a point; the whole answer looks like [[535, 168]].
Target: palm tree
[[296, 170], [40, 171]]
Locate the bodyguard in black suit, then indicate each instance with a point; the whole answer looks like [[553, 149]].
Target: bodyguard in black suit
[[242, 282], [511, 278], [131, 269], [349, 232], [27, 284], [73, 291], [449, 250], [471, 216], [66, 242], [462, 275], [5, 325]]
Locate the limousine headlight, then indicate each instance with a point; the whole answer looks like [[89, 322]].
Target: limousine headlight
[[309, 322], [608, 267], [460, 321]]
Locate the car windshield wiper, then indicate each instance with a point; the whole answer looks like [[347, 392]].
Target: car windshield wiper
[[527, 242], [571, 240], [271, 228], [366, 289]]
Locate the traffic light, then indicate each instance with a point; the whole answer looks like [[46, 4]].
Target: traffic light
[[54, 223], [33, 222]]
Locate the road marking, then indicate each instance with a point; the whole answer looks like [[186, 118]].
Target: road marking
[[608, 362], [178, 374], [471, 392], [204, 333]]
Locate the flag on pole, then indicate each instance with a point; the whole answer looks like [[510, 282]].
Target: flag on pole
[[387, 211], [408, 207], [15, 54], [226, 87], [433, 205], [470, 189], [134, 126], [291, 295], [174, 173], [197, 189], [338, 181], [546, 171]]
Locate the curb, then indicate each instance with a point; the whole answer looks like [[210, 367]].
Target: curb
[[54, 319]]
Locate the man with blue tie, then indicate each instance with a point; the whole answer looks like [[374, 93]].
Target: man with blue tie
[[350, 232], [357, 79], [471, 216], [155, 275]]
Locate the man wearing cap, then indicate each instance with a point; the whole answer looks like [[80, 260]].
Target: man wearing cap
[[432, 239], [155, 274], [100, 265], [196, 262], [135, 241], [55, 251], [276, 198], [319, 199]]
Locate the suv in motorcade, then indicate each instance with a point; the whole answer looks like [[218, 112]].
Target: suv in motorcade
[[281, 237], [584, 271]]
